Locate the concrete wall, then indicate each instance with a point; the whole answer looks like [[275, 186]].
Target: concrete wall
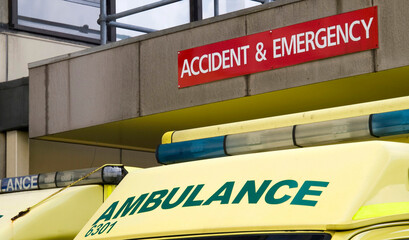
[[46, 156], [4, 11], [314, 72], [393, 34], [138, 77], [3, 57], [17, 153], [17, 50]]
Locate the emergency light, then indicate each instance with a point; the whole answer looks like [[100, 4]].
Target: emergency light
[[106, 175], [326, 132]]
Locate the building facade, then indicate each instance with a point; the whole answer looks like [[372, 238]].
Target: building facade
[[113, 103], [17, 49]]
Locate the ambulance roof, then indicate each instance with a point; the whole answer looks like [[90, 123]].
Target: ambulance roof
[[332, 187], [60, 217]]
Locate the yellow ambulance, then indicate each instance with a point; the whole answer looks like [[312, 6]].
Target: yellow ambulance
[[49, 206], [340, 173]]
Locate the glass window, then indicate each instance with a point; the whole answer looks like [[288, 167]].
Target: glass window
[[157, 19], [384, 233], [75, 19], [268, 237], [226, 6], [171, 15], [288, 236]]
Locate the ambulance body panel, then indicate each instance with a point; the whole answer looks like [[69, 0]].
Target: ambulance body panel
[[58, 218], [49, 206], [320, 189]]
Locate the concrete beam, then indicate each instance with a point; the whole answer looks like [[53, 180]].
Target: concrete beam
[[23, 49], [159, 86], [3, 57], [109, 81], [86, 91], [4, 11], [393, 34], [38, 101], [17, 154]]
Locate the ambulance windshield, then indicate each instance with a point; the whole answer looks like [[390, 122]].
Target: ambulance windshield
[[294, 236]]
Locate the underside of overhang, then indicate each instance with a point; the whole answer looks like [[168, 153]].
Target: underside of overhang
[[144, 133]]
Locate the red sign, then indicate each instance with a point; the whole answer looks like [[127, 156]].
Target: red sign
[[322, 38]]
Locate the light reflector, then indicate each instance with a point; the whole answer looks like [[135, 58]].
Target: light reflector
[[390, 123], [191, 150], [266, 140], [65, 178], [312, 134], [112, 174], [106, 175], [333, 131], [47, 180]]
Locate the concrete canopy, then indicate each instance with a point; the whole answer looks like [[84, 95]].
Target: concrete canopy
[[84, 98], [144, 133]]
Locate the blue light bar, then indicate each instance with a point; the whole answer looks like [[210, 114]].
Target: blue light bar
[[311, 134], [188, 150], [390, 123]]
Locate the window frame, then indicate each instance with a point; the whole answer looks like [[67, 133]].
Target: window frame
[[383, 232], [13, 23]]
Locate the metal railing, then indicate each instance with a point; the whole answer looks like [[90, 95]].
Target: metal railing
[[106, 20]]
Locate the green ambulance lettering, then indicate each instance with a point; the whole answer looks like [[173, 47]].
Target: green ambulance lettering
[[191, 202], [165, 198], [125, 208], [305, 190], [270, 195], [222, 195], [253, 195], [129, 204], [107, 215], [154, 201], [166, 203]]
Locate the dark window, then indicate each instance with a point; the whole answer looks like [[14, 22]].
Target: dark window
[[14, 105], [305, 236], [289, 236]]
